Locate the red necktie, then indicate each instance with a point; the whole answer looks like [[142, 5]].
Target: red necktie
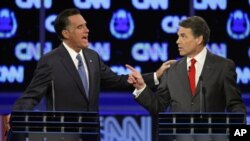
[[191, 76]]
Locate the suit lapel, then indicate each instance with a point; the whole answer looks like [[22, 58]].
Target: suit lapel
[[206, 71], [90, 66], [184, 76], [208, 67], [70, 67]]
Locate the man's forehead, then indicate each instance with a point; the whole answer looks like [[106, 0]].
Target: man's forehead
[[183, 30]]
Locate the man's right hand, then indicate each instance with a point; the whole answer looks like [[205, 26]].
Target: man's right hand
[[135, 78]]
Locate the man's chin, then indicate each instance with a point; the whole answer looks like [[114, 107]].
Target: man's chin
[[182, 54], [85, 45]]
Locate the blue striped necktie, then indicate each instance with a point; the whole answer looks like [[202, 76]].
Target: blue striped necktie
[[83, 74]]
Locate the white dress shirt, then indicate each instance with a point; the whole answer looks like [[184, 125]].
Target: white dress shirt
[[73, 55], [200, 60]]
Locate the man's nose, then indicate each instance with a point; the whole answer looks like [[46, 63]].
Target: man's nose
[[86, 30], [177, 41]]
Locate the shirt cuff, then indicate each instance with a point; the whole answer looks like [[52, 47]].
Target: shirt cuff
[[137, 93], [156, 79]]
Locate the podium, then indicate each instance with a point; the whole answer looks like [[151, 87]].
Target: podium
[[202, 125], [54, 126]]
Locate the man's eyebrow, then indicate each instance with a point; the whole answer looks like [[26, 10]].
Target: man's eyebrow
[[181, 34]]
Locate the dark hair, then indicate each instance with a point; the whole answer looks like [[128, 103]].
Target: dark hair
[[198, 27], [62, 21]]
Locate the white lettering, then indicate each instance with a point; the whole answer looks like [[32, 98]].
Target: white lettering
[[88, 4], [213, 4], [28, 4], [147, 4]]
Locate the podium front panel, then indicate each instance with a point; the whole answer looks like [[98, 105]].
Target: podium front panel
[[59, 125], [192, 125]]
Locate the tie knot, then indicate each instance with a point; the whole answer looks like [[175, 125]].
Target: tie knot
[[79, 58], [193, 61]]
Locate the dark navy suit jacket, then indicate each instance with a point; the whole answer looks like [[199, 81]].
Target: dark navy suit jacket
[[69, 91]]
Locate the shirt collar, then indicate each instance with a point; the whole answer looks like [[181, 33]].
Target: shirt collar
[[72, 52], [200, 58]]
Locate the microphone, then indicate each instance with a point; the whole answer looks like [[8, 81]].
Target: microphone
[[53, 95], [202, 102]]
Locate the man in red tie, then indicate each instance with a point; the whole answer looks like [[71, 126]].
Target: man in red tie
[[191, 76], [198, 73]]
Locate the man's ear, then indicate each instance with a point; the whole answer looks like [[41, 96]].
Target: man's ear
[[65, 34], [199, 40]]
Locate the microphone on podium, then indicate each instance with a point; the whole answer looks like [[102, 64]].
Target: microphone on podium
[[202, 98], [53, 95]]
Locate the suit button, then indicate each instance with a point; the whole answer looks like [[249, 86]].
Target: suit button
[[192, 103]]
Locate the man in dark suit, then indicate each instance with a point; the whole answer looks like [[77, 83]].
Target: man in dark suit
[[76, 72], [179, 87], [61, 66]]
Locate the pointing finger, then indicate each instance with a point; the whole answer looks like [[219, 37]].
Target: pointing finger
[[131, 68]]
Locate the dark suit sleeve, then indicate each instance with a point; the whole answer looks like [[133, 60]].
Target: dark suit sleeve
[[36, 89], [156, 102], [232, 92], [111, 80]]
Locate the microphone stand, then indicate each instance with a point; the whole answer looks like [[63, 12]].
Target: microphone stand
[[53, 96], [202, 108]]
